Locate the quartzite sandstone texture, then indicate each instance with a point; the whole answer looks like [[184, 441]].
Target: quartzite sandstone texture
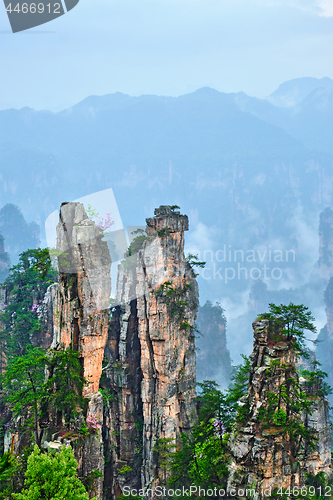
[[262, 456], [81, 307], [81, 315], [151, 354]]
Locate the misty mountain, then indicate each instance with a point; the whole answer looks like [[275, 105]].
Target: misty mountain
[[310, 120], [156, 148], [292, 92], [252, 176]]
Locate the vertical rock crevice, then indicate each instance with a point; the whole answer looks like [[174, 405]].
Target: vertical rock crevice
[[263, 455], [154, 377], [81, 316]]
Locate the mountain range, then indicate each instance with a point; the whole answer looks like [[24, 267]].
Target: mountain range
[[252, 174]]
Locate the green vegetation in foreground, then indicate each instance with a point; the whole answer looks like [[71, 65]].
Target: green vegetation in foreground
[[52, 477], [38, 401]]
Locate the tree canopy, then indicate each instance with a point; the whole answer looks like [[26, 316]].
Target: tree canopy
[[52, 477], [294, 320]]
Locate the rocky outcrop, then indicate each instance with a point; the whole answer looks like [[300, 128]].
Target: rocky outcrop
[[324, 349], [264, 455], [44, 337], [81, 315], [318, 421], [4, 260], [151, 370], [81, 306]]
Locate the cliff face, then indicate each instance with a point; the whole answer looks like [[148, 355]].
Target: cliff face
[[151, 353], [81, 306], [81, 314], [324, 349], [326, 243], [263, 455], [4, 260], [44, 338]]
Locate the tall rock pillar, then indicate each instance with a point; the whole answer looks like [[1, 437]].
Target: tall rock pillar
[[81, 309], [152, 351], [264, 457], [81, 314]]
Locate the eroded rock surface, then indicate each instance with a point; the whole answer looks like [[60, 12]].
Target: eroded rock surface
[[81, 316], [81, 306], [263, 456], [151, 353]]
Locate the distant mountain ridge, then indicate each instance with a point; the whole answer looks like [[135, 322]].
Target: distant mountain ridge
[[246, 171], [292, 92]]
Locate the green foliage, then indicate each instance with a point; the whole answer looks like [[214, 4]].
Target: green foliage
[[280, 417], [317, 487], [163, 448], [124, 470], [92, 213], [293, 320], [176, 303], [193, 261], [64, 384], [12, 472], [108, 395], [89, 481], [173, 296], [34, 398], [137, 242], [43, 262], [24, 384], [163, 232], [240, 381], [25, 286], [182, 462], [314, 380], [284, 409], [8, 467], [52, 477], [185, 325], [321, 484], [202, 459]]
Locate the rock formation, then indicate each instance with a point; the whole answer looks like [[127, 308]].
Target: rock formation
[[4, 260], [326, 243], [324, 349], [151, 370], [264, 456], [81, 314], [213, 356], [81, 306]]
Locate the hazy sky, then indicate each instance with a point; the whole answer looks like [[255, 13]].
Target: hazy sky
[[167, 47]]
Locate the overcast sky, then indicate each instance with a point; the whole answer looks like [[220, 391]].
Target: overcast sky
[[165, 47]]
